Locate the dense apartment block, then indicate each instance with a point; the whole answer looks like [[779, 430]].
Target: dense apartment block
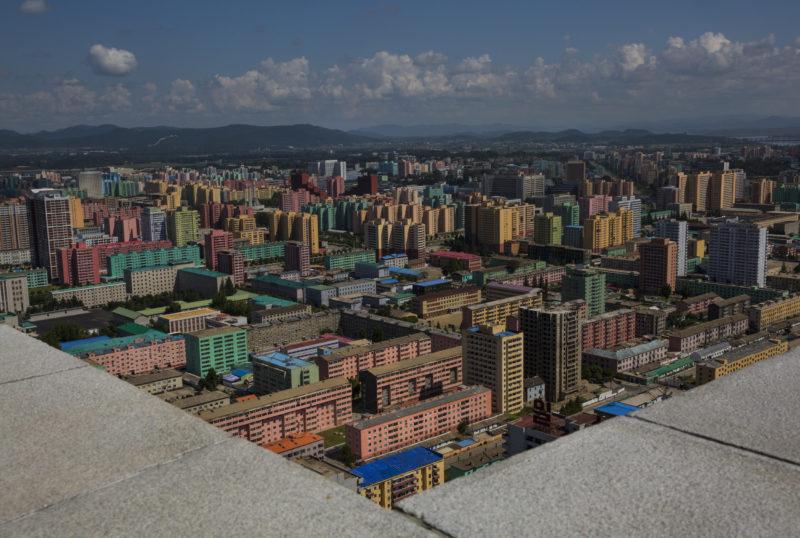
[[585, 283], [624, 358], [117, 263], [650, 320], [722, 308], [738, 358], [697, 303], [78, 265], [738, 254], [51, 229], [710, 332], [464, 260], [132, 355], [187, 321], [205, 401], [493, 357], [157, 382], [220, 348], [411, 380], [552, 348], [153, 280], [309, 408], [500, 290], [14, 293], [443, 302], [762, 315], [496, 312], [92, 296], [350, 360], [347, 262], [609, 329], [658, 264], [391, 479], [384, 433], [273, 372]]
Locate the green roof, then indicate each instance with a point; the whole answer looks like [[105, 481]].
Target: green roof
[[241, 295], [149, 335], [270, 300], [205, 272], [126, 312], [133, 329]]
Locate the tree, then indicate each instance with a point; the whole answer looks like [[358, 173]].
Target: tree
[[219, 299], [666, 291], [230, 289], [355, 386], [211, 380], [573, 406], [346, 456], [173, 307], [462, 426], [377, 334], [110, 331], [512, 266], [64, 332], [783, 268]]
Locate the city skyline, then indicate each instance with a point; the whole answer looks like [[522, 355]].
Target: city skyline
[[358, 64]]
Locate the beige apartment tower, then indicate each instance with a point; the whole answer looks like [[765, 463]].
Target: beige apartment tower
[[493, 357]]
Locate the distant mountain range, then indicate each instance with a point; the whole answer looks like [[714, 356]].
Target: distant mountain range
[[231, 138], [242, 139]]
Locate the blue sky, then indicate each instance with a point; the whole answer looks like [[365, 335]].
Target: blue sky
[[351, 64]]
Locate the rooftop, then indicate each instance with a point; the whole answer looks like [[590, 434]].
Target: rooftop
[[621, 353], [200, 399], [158, 375], [282, 361], [215, 331], [337, 354], [701, 327], [740, 353], [617, 409], [205, 272], [394, 465], [121, 341], [453, 254], [419, 407], [410, 364], [280, 396], [294, 440], [190, 313]]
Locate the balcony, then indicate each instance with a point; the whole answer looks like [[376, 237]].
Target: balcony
[[87, 454]]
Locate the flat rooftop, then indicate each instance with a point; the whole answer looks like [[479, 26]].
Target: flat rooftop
[[200, 399], [276, 397], [294, 440], [281, 360], [338, 354], [394, 465], [190, 314], [159, 375], [444, 399], [740, 353], [416, 362], [216, 331]]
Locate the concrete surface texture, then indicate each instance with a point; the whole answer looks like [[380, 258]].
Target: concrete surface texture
[[85, 454]]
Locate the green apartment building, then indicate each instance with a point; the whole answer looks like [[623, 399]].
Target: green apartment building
[[117, 263], [265, 251], [182, 226], [547, 229], [220, 348], [587, 284], [570, 214], [347, 262]]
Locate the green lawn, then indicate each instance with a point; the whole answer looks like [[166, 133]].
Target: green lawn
[[333, 437]]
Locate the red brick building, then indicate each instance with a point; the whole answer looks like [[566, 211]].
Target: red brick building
[[469, 262], [78, 265]]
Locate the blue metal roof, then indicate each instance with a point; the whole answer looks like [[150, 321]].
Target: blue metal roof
[[618, 409], [66, 345], [466, 442], [397, 464], [433, 282]]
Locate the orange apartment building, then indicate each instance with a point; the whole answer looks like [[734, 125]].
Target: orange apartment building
[[395, 430], [265, 419], [350, 360], [412, 380], [496, 312]]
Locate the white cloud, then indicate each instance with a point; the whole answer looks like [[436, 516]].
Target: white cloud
[[34, 6], [634, 55], [183, 97], [430, 59], [111, 61], [272, 84], [116, 98]]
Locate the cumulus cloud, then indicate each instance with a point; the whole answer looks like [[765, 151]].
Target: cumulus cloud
[[272, 84], [430, 58], [34, 6], [183, 97], [708, 73], [111, 61]]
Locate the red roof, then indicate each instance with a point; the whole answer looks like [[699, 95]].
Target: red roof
[[459, 255]]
